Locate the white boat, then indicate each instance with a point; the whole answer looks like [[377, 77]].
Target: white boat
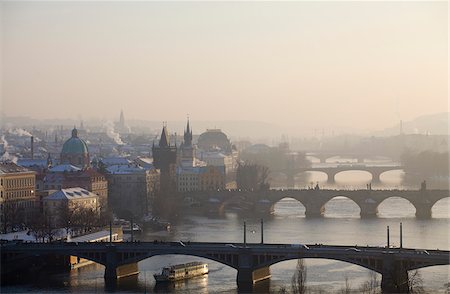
[[182, 271]]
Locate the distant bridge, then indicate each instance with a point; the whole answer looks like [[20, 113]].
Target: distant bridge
[[324, 155], [314, 200], [331, 171], [252, 261]]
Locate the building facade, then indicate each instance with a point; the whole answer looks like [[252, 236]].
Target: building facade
[[88, 179], [132, 189], [200, 178], [165, 159], [17, 195], [56, 204]]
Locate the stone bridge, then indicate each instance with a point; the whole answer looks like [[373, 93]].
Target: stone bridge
[[324, 155], [332, 171], [252, 261], [314, 200]]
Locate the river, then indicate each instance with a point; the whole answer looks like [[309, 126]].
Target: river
[[341, 224]]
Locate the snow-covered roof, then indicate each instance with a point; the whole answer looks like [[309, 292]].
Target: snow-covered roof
[[28, 162], [64, 168], [115, 161], [7, 167], [126, 169], [71, 194], [91, 237]]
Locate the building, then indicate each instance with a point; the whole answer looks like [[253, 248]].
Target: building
[[69, 176], [200, 178], [17, 195], [211, 178], [217, 159], [187, 150], [121, 126], [188, 179], [165, 159], [57, 203], [75, 152], [132, 189], [214, 140]]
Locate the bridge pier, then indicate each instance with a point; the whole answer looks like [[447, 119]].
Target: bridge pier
[[314, 210], [376, 177], [368, 210], [116, 272], [423, 211], [330, 178], [247, 277], [113, 271], [394, 278]]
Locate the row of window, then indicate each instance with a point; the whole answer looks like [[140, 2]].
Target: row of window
[[17, 183], [17, 194]]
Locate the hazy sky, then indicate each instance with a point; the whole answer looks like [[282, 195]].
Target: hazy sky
[[313, 64]]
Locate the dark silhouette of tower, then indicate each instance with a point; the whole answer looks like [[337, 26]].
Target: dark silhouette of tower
[[165, 159], [187, 150]]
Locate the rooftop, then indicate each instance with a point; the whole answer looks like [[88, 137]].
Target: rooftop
[[9, 167], [71, 194]]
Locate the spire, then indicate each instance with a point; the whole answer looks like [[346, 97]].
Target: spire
[[122, 119], [187, 127], [188, 134], [49, 160], [74, 132], [164, 140]]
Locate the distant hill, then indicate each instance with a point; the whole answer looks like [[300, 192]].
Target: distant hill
[[433, 124]]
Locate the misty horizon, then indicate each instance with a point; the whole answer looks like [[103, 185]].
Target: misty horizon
[[364, 66]]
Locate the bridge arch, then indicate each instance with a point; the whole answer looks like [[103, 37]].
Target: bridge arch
[[350, 209], [230, 260], [210, 258], [389, 170], [440, 208], [397, 203], [301, 208], [373, 265], [324, 176], [353, 170]]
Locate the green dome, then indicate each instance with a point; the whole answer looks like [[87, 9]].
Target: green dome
[[74, 145]]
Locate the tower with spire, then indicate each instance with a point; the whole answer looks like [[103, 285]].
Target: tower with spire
[[187, 151], [165, 159], [121, 126]]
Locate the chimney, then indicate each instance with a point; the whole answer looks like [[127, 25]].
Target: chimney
[[32, 147]]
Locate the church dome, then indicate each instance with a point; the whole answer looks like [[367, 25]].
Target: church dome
[[74, 145], [75, 151], [214, 139]]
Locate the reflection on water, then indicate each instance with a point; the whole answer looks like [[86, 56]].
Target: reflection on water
[[341, 225]]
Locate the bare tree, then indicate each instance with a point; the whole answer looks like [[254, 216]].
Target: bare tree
[[251, 176], [41, 227], [347, 288], [415, 282], [372, 286], [298, 282]]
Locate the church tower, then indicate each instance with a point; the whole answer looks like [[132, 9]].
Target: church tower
[[187, 150], [165, 159]]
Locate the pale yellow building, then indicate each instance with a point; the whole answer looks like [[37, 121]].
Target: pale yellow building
[[72, 198], [17, 195]]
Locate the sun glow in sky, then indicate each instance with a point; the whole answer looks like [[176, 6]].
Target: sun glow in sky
[[318, 64]]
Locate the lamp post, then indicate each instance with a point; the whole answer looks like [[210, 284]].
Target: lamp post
[[245, 234]]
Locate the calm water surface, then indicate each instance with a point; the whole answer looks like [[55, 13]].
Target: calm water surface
[[340, 225]]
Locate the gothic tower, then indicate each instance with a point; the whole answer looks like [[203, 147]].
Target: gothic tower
[[187, 150], [165, 159]]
